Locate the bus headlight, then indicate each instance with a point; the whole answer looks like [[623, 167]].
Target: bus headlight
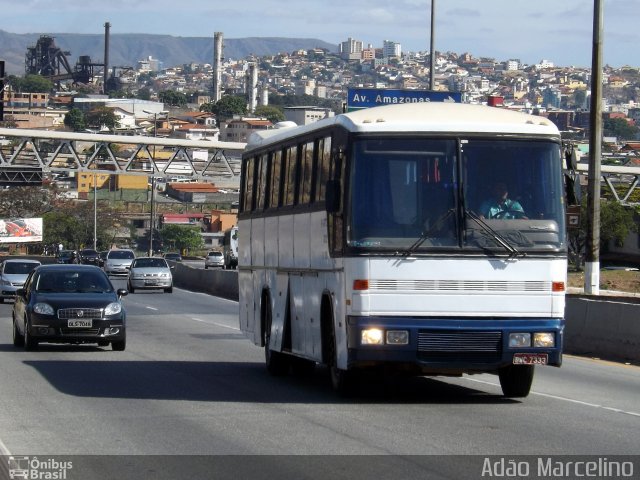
[[372, 336], [397, 337], [519, 340], [544, 340]]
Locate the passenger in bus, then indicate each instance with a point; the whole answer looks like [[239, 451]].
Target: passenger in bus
[[500, 205]]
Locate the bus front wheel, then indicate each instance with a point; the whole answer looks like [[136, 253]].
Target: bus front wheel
[[277, 363], [516, 380]]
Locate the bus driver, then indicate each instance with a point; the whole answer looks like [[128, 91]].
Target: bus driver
[[500, 206]]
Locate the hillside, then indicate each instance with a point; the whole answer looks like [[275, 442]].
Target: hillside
[[127, 49]]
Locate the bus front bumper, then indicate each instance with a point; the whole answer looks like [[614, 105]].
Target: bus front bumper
[[454, 346]]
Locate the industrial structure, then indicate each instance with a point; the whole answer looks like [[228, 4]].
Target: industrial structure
[[45, 58], [50, 61]]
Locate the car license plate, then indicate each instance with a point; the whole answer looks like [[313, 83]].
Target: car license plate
[[77, 323], [530, 359]]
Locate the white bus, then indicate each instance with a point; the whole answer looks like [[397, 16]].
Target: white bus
[[372, 240]]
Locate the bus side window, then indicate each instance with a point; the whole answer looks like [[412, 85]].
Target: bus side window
[[323, 168], [275, 179]]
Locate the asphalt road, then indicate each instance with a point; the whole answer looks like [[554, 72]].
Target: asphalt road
[[190, 384]]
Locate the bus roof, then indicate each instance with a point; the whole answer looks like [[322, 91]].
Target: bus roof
[[420, 117]]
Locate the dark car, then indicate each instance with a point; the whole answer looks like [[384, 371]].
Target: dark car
[[67, 256], [69, 304], [172, 257], [88, 256]]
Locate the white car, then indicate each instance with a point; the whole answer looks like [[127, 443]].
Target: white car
[[118, 261], [13, 273], [150, 272], [214, 259]]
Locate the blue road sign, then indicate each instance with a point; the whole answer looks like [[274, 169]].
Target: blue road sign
[[374, 97]]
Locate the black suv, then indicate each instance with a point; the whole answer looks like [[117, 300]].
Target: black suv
[[89, 256]]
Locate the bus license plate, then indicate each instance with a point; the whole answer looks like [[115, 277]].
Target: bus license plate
[[530, 359], [77, 323]]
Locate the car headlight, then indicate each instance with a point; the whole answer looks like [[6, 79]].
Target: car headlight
[[137, 275], [43, 309], [113, 308], [544, 340], [5, 282]]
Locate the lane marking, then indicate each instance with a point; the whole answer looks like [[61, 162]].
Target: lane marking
[[196, 319], [564, 399], [148, 307], [3, 449]]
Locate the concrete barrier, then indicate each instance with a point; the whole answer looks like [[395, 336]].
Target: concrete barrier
[[215, 281], [603, 326]]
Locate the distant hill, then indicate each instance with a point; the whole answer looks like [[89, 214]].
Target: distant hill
[[126, 49]]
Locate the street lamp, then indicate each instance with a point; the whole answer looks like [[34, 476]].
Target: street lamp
[[153, 178]]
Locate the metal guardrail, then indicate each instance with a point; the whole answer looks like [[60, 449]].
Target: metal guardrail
[[67, 152], [617, 174]]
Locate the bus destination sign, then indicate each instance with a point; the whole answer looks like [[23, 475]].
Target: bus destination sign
[[374, 97]]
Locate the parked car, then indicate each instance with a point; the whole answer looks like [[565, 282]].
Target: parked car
[[214, 259], [69, 304], [13, 273], [119, 261], [88, 256], [172, 256], [67, 256], [150, 272]]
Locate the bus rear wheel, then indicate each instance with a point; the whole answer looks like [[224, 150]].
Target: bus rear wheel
[[516, 380]]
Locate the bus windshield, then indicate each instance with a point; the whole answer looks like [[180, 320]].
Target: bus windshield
[[494, 195]]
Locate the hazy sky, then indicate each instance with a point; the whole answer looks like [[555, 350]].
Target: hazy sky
[[531, 30]]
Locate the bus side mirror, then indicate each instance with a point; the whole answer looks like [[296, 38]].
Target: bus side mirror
[[332, 197], [571, 158]]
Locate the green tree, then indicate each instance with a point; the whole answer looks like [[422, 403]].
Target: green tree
[[101, 117], [74, 119], [31, 84], [616, 222], [16, 202], [144, 93], [619, 127], [182, 237], [72, 224], [271, 113], [230, 105], [173, 98]]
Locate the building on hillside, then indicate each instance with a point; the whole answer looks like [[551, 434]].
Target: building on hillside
[[391, 49], [306, 115], [239, 129], [351, 49], [194, 131]]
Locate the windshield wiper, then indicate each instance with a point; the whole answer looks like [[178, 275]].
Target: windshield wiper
[[513, 251], [425, 235]]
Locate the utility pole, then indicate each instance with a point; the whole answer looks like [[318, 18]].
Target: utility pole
[[432, 60], [592, 260]]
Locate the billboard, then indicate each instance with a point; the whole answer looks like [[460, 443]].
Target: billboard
[[358, 98], [20, 230]]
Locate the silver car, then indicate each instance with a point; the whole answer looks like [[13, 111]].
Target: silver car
[[150, 272], [214, 259], [118, 261], [13, 273]]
